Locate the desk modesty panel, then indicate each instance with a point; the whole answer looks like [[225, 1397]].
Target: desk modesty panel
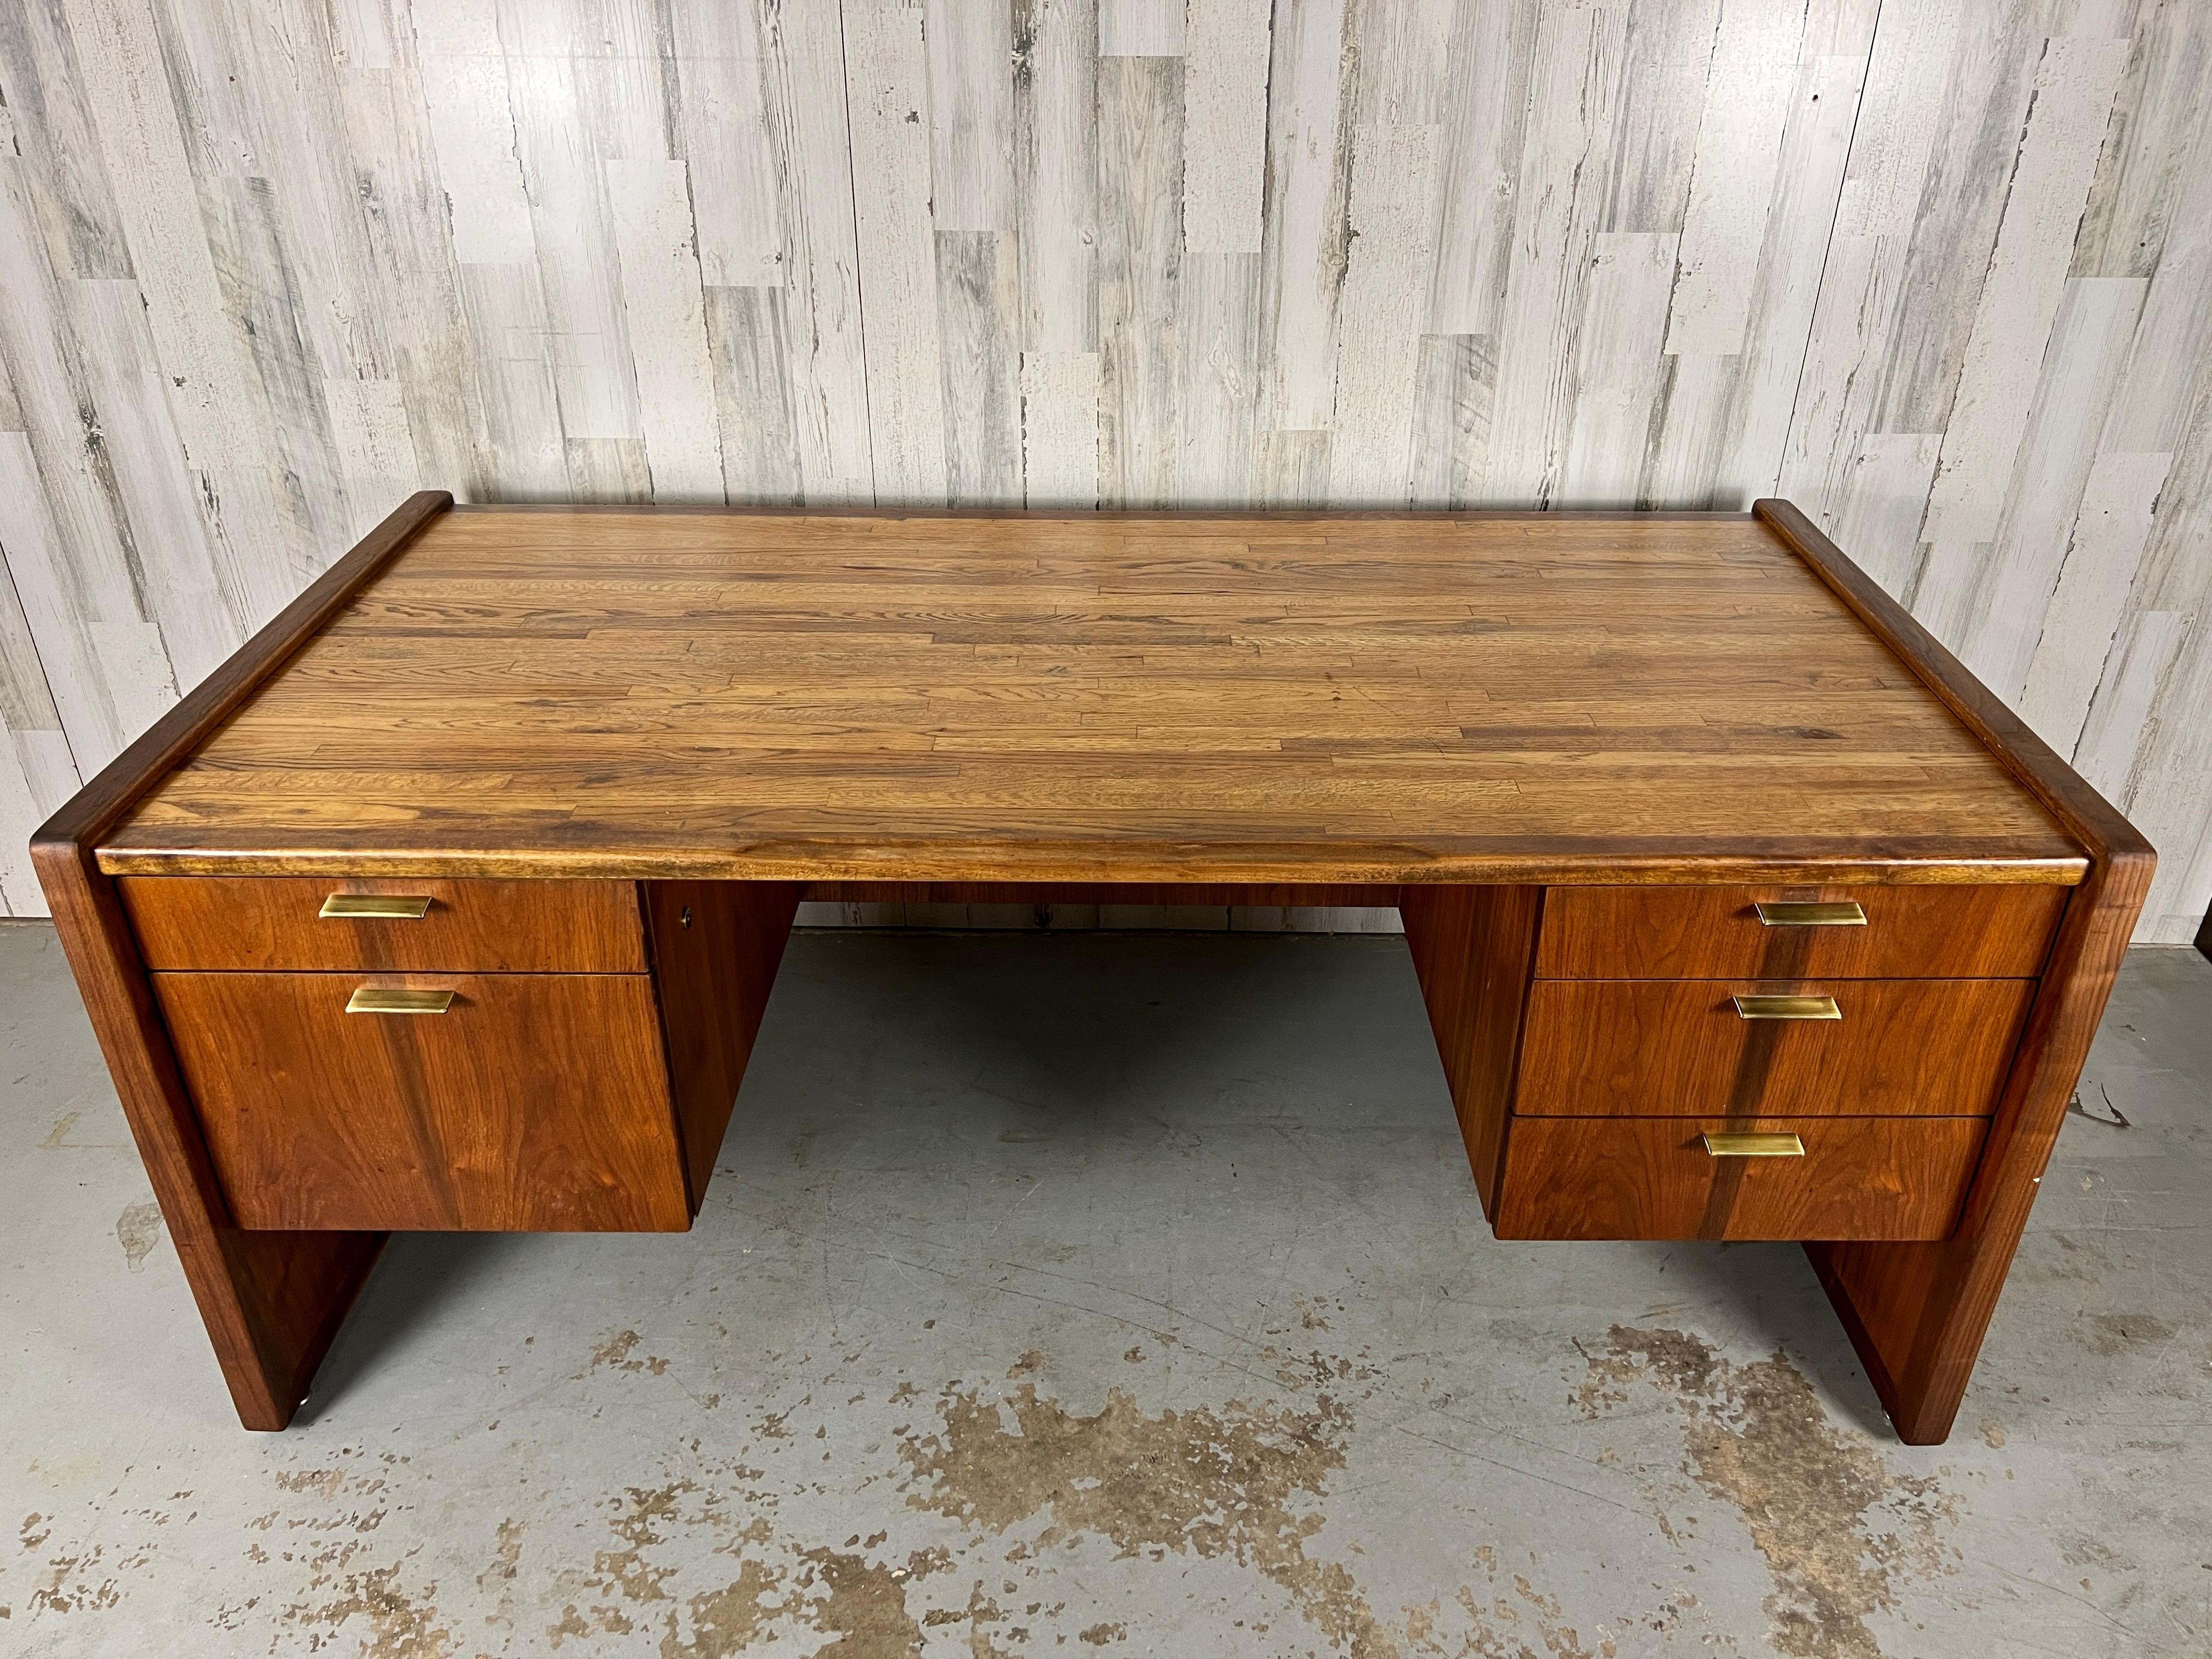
[[1740, 909]]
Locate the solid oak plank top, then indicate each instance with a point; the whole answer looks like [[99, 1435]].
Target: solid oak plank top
[[1306, 698]]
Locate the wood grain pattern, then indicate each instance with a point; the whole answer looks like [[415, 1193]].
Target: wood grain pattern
[[715, 948], [271, 1301], [1932, 1048], [1933, 270], [243, 922], [1471, 948], [1918, 1315], [538, 1103], [1714, 932], [1860, 1178], [947, 698]]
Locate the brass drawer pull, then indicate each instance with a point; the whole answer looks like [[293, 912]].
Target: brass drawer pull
[[378, 1000], [393, 906], [1842, 914], [1786, 1008], [1747, 1145]]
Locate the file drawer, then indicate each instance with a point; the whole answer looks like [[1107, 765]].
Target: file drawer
[[502, 1102]]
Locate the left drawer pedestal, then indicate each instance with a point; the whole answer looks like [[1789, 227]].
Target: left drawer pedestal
[[460, 1055]]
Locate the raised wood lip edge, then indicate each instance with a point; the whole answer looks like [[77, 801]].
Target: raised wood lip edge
[[1089, 515], [126, 781], [272, 1303], [1080, 862], [2062, 792]]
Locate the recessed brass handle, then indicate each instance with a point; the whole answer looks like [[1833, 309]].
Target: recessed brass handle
[[1786, 1008], [394, 906], [381, 999], [1750, 1146], [1844, 913]]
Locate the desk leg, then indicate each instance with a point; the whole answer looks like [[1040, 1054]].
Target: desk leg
[[271, 1300], [1917, 1313]]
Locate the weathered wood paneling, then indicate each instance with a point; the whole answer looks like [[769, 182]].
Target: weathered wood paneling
[[1934, 270]]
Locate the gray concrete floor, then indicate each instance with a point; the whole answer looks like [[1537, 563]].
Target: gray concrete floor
[[1104, 1293]]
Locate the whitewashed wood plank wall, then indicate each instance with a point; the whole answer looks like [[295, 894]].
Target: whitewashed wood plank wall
[[1936, 269]]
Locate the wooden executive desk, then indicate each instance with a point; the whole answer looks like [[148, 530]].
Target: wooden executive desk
[[453, 900]]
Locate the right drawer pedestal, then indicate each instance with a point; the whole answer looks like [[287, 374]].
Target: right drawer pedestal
[[1876, 1026]]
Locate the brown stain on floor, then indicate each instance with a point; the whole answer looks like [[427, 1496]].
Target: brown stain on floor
[[1813, 1497], [1231, 1483], [396, 1623]]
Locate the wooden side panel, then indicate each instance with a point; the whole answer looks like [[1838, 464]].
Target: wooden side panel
[[1473, 948], [271, 1301], [1932, 1048], [1860, 1177], [1917, 1313], [1715, 933], [716, 946], [268, 923], [539, 1102]]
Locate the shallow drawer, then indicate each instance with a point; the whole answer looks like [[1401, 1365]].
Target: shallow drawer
[[534, 1102], [1716, 933], [1932, 1048], [254, 922], [1864, 1178]]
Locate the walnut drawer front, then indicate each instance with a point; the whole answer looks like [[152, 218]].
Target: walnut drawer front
[[1655, 1178], [266, 923], [1990, 931], [1686, 1048], [532, 1102]]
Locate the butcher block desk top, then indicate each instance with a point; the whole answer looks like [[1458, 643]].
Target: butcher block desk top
[[1099, 697]]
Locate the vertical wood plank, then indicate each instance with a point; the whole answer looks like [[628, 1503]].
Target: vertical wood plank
[[1059, 428], [1574, 87], [1394, 184], [1140, 28], [1139, 277], [803, 75], [979, 317], [1616, 371], [665, 314], [2101, 560], [1225, 125], [1484, 113], [1738, 149], [1451, 422], [970, 52], [2008, 600], [2050, 184], [1218, 358], [887, 83], [724, 127], [375, 447], [1303, 234], [1055, 115], [37, 771]]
